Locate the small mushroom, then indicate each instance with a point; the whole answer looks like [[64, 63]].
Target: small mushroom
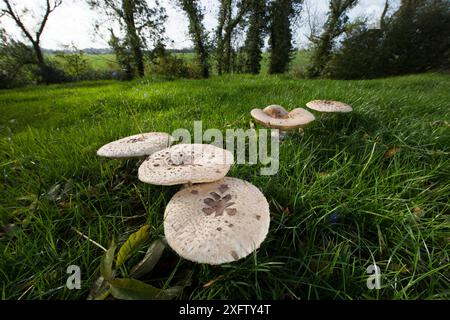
[[217, 222], [139, 145], [295, 119], [329, 106], [186, 164], [276, 111]]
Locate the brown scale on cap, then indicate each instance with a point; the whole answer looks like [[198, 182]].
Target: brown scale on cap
[[185, 164], [215, 222], [218, 204], [134, 140], [139, 145]]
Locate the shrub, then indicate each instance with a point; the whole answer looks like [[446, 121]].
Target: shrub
[[16, 63], [74, 64], [361, 56], [169, 66], [416, 39]]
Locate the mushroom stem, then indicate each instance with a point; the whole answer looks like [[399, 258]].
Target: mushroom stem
[[279, 133], [186, 185]]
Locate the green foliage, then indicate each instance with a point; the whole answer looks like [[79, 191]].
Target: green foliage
[[129, 288], [280, 41], [197, 33], [418, 37], [132, 244], [335, 25], [360, 57], [415, 39], [252, 51], [150, 259], [74, 64], [17, 62], [140, 26], [170, 66], [50, 73], [106, 265], [231, 14]]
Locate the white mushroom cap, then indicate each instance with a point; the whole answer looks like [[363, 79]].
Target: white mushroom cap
[[139, 145], [186, 163], [217, 222], [329, 106], [297, 118], [276, 111]]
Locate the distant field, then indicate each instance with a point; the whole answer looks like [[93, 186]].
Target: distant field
[[108, 61], [102, 61], [356, 189]]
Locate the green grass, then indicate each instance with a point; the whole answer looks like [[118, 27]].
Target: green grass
[[337, 204]]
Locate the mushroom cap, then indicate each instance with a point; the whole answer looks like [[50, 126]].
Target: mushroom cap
[[329, 106], [276, 111], [139, 145], [297, 118], [186, 163], [217, 222]]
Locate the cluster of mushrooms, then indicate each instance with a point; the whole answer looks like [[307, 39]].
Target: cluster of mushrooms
[[213, 219], [277, 117]]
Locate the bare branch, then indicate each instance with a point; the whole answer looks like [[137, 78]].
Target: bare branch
[[49, 9], [10, 12], [383, 15]]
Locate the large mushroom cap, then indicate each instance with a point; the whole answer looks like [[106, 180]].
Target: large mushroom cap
[[186, 163], [217, 222], [139, 145], [297, 118], [276, 111], [329, 106]]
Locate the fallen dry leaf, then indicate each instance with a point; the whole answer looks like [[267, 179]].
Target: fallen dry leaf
[[210, 283], [391, 152]]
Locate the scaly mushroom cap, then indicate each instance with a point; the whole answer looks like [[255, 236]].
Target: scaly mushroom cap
[[329, 106], [276, 111], [217, 222], [139, 145], [297, 118], [186, 163]]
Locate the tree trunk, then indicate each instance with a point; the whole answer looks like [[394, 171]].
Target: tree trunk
[[133, 37], [197, 33]]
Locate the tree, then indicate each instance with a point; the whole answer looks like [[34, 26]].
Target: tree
[[361, 55], [254, 41], [16, 61], [281, 14], [10, 11], [139, 23], [418, 37], [74, 62], [227, 24], [414, 39], [197, 33], [333, 28]]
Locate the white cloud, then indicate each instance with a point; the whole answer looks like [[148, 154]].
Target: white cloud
[[73, 22]]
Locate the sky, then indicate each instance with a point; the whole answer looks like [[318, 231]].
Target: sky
[[72, 23]]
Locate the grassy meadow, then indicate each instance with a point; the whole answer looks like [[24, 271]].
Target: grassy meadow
[[368, 187]]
